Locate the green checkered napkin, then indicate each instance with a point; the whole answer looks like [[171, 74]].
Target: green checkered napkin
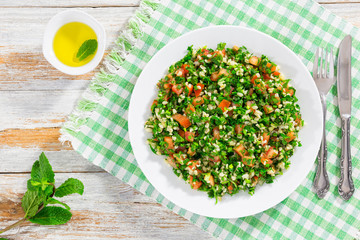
[[98, 127]]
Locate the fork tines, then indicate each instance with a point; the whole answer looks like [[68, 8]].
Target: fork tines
[[326, 63]]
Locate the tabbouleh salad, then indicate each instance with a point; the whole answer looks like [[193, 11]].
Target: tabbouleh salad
[[226, 120]]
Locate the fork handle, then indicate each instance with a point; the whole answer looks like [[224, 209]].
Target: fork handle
[[346, 185], [321, 182]]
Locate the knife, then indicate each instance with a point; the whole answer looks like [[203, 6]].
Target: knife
[[346, 185]]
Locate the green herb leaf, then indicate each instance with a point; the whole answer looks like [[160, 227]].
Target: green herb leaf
[[41, 172], [55, 201], [70, 186], [30, 203], [86, 49], [51, 216], [4, 239], [46, 169]]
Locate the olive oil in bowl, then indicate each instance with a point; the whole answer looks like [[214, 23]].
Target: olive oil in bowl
[[75, 44]]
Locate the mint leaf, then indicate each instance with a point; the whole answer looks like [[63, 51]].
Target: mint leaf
[[51, 216], [46, 169], [86, 49], [30, 203], [33, 185], [41, 172], [70, 186], [55, 201], [36, 172]]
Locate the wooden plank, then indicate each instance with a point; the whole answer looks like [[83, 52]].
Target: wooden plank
[[45, 139], [109, 209], [20, 160], [69, 3], [30, 109], [350, 12], [22, 65]]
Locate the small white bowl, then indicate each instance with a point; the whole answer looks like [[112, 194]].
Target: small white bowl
[[60, 20]]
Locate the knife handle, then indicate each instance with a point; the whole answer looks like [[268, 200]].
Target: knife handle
[[321, 182], [346, 185]]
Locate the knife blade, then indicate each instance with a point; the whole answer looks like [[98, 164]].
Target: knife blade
[[346, 185], [344, 77]]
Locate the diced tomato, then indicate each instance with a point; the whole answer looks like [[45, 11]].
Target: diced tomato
[[167, 86], [190, 108], [190, 88], [185, 71], [194, 184], [271, 153], [183, 120], [199, 88], [266, 76], [181, 133], [272, 67], [218, 52], [211, 180], [177, 89], [289, 91], [276, 73], [170, 77], [291, 136], [198, 101], [171, 161], [155, 102], [190, 152], [265, 160], [240, 149], [268, 109], [216, 133], [266, 138], [248, 161], [224, 104], [205, 52], [192, 164], [238, 128], [170, 143], [230, 188], [253, 79], [254, 61], [215, 159], [215, 75], [189, 136]]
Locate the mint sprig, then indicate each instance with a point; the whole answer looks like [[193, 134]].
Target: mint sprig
[[86, 49], [70, 186], [40, 194]]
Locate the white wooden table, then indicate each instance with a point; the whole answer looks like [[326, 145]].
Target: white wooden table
[[34, 102]]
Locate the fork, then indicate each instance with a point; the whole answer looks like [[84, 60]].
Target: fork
[[324, 79]]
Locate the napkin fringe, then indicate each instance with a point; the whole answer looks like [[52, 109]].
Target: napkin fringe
[[108, 73]]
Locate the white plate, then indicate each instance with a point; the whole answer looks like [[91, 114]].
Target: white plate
[[160, 174]]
